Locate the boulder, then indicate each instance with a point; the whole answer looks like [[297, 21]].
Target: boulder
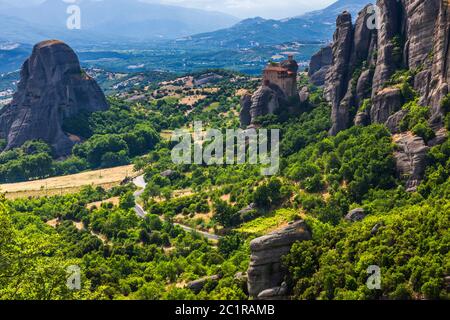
[[411, 159], [168, 173], [355, 215], [304, 95], [198, 285], [251, 207], [265, 270], [52, 88], [376, 228], [241, 278], [277, 293]]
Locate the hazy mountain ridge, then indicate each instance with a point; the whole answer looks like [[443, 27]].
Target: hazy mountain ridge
[[113, 20], [313, 27]]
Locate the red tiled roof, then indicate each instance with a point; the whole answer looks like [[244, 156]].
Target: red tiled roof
[[275, 68]]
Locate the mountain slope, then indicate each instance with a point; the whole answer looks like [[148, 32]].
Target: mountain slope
[[113, 19], [316, 26]]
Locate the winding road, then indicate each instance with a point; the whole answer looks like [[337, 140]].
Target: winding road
[[141, 184]]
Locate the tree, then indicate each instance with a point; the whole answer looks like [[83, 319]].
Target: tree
[[127, 201]]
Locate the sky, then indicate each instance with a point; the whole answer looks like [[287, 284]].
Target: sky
[[276, 9]]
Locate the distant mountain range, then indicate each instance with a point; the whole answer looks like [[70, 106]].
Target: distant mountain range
[[111, 20], [156, 37], [313, 27]]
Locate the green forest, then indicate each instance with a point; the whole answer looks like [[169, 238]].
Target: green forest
[[125, 257]]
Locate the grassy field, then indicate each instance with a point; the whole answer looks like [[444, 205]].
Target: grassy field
[[106, 178], [274, 221]]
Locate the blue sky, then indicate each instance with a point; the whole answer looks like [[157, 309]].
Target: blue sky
[[240, 8]]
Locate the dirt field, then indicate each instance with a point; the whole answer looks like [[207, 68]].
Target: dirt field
[[106, 178]]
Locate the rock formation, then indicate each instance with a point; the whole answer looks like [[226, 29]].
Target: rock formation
[[411, 34], [278, 89], [353, 46], [411, 158], [198, 285], [354, 215], [360, 84], [319, 65], [265, 271], [52, 88], [246, 104]]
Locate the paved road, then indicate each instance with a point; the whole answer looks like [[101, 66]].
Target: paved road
[[141, 184], [207, 235], [140, 211]]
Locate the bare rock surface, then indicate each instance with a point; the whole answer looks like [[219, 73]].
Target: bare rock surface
[[319, 65], [52, 88], [411, 159], [355, 215], [385, 103], [411, 34], [265, 270]]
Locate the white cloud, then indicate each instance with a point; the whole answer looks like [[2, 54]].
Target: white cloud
[[252, 8], [240, 8]]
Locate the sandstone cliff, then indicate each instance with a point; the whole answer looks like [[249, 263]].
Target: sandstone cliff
[[265, 271], [412, 35], [393, 49], [52, 88], [319, 65], [278, 93]]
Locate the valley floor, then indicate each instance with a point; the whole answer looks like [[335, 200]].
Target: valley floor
[[63, 185]]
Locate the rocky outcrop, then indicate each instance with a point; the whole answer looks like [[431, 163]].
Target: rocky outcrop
[[319, 65], [411, 159], [265, 270], [440, 138], [394, 121], [304, 95], [355, 215], [52, 88], [198, 285], [266, 100], [349, 81], [338, 74], [389, 55], [246, 104], [385, 103], [438, 62], [410, 34], [277, 293]]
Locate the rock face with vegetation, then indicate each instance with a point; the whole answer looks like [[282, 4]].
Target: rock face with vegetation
[[408, 54], [411, 157], [52, 88], [265, 271], [266, 100], [392, 67]]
